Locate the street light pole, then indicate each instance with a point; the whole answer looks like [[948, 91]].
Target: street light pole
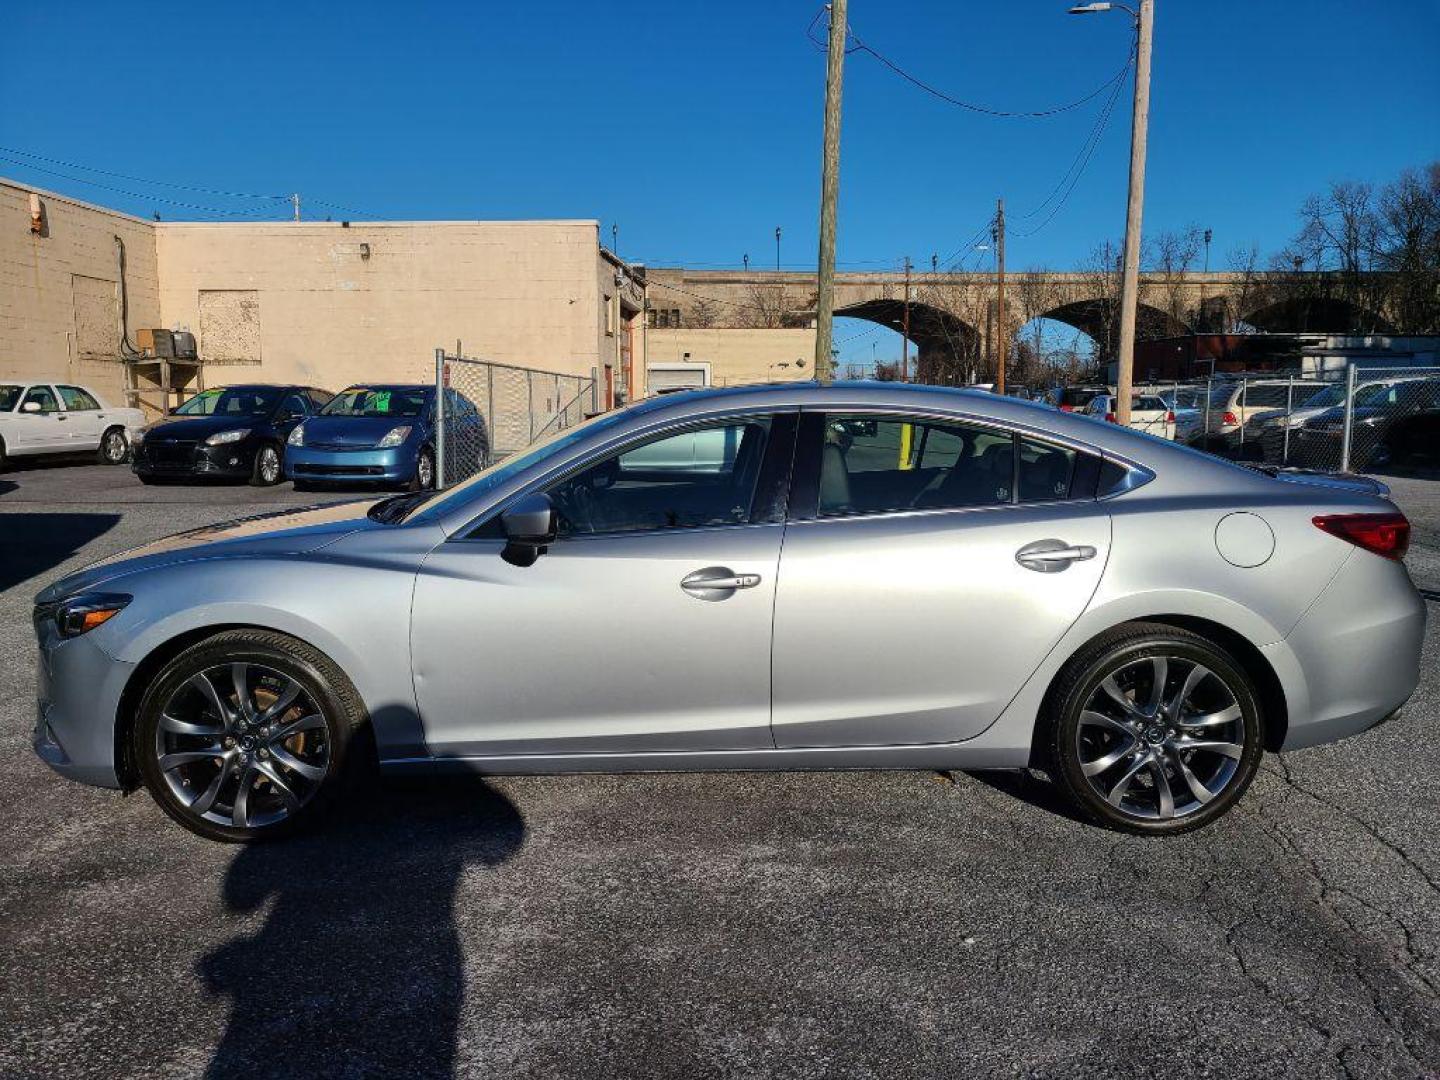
[[1139, 126]]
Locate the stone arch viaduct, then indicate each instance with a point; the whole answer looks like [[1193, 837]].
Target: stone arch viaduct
[[953, 315]]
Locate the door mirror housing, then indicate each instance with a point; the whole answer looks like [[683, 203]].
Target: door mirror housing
[[31, 407], [529, 526]]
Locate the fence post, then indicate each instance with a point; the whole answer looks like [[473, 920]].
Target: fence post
[[1289, 408], [1205, 434], [1349, 418], [439, 419], [489, 413], [530, 404]]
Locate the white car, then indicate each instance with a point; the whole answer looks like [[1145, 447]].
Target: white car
[[62, 418], [1148, 413]]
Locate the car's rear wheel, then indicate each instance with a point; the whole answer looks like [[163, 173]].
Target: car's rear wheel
[[1153, 729], [244, 736], [114, 447], [267, 471]]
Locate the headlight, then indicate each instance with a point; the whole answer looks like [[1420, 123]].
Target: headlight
[[297, 437], [81, 614], [138, 435], [220, 438], [394, 437]]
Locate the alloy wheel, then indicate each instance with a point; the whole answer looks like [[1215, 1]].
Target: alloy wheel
[[242, 745], [115, 447], [425, 471], [269, 464], [1161, 737]]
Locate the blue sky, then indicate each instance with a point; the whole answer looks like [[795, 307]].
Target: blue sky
[[696, 127]]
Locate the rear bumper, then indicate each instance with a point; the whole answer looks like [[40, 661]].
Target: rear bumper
[[1354, 658], [383, 466]]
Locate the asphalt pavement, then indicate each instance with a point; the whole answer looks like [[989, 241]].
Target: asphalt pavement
[[800, 925]]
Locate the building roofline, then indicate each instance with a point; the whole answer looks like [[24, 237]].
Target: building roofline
[[45, 193]]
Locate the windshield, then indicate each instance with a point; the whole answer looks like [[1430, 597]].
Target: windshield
[[382, 401], [8, 396], [489, 479], [232, 401]]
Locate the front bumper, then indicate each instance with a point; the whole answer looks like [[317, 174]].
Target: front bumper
[[230, 461], [78, 690], [320, 464]]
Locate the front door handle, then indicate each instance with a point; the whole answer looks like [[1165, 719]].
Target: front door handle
[[1052, 556], [717, 583]]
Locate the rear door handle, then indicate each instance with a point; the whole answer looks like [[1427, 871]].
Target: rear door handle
[[1052, 556], [717, 583]]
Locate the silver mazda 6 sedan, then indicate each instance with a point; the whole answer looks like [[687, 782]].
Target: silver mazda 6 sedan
[[859, 576]]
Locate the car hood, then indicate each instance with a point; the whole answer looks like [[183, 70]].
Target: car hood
[[353, 430], [186, 428], [284, 532]]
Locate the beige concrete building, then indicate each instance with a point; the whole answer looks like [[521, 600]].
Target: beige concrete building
[[323, 303], [689, 356]]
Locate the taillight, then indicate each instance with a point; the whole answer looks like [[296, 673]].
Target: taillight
[[1382, 534], [1110, 418], [1067, 408], [1228, 418], [1170, 417]]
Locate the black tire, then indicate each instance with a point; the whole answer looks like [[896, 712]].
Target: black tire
[[1118, 653], [424, 465], [269, 467], [114, 447], [333, 696]]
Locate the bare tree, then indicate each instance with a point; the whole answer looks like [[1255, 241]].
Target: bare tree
[[704, 313], [1173, 255], [1407, 228]]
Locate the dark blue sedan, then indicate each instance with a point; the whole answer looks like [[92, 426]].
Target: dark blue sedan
[[384, 434]]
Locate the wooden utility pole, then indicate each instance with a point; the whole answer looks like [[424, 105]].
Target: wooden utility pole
[[905, 329], [1130, 282], [829, 191], [1002, 342]]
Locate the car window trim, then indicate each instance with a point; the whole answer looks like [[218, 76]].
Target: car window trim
[[805, 477], [467, 532]]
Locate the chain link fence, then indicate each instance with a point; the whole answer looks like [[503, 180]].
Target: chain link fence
[[494, 410], [1360, 419]]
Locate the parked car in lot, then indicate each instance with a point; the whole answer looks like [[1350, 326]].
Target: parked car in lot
[[1140, 620], [1072, 398], [1400, 425], [1237, 408], [385, 434], [1311, 404], [1148, 413], [229, 432], [62, 418]]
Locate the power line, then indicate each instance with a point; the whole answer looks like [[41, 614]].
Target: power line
[[134, 194], [949, 99], [135, 179]]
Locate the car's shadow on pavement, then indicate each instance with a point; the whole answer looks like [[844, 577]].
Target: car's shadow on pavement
[[357, 968], [31, 544], [1032, 788]]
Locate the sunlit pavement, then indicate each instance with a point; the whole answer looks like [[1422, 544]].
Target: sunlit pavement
[[882, 924]]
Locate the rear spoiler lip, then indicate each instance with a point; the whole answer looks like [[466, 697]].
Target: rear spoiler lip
[[1365, 485]]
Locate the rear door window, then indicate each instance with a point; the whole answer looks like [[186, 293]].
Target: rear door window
[[77, 399]]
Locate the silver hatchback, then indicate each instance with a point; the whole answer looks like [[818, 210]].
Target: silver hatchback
[[852, 576]]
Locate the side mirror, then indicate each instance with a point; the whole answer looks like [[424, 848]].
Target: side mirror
[[529, 526], [30, 406]]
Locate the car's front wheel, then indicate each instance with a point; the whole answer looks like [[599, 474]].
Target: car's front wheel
[[424, 477], [243, 736], [1153, 729], [268, 470]]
